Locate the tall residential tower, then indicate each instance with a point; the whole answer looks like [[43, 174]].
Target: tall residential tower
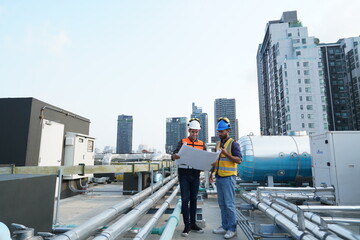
[[224, 107], [203, 117], [175, 131], [124, 134]]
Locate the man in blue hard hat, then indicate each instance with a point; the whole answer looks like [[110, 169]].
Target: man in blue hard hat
[[225, 169]]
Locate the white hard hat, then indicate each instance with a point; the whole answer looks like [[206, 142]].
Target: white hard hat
[[194, 123]]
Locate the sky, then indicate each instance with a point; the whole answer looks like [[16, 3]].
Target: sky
[[149, 58]]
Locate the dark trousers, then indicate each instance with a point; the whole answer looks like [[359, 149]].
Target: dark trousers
[[189, 187]]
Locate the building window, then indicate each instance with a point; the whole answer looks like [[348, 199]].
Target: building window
[[322, 90], [300, 98], [303, 41], [307, 81], [289, 34], [306, 72], [298, 71], [324, 108], [301, 107], [297, 64], [310, 116], [299, 80], [285, 73], [298, 53], [324, 116], [309, 98], [303, 125], [285, 65], [286, 91], [319, 65], [309, 107], [311, 125], [325, 126], [300, 90], [322, 99], [296, 41], [302, 116], [308, 89], [305, 64], [321, 73]]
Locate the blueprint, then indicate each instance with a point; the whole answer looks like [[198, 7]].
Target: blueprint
[[196, 158]]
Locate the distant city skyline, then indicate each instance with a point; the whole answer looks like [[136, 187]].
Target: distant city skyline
[[148, 59]]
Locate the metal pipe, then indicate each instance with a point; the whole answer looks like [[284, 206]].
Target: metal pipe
[[73, 189], [329, 208], [89, 227], [355, 221], [312, 227], [120, 227], [279, 219], [172, 222], [343, 232], [299, 189], [60, 173], [146, 230]]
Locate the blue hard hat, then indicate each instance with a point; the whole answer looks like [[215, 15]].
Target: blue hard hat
[[222, 125]]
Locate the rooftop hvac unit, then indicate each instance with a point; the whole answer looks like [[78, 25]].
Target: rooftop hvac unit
[[336, 162], [79, 149]]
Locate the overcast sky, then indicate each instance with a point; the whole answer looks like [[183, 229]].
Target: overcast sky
[[149, 59]]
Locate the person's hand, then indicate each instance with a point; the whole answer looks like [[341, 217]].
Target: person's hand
[[175, 156], [211, 178], [223, 151], [213, 164]]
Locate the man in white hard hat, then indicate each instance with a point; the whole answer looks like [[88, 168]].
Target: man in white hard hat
[[189, 179]]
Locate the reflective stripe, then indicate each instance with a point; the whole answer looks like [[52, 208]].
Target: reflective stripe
[[225, 159], [226, 169]]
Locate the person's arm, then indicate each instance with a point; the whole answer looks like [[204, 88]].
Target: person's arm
[[175, 156], [235, 155]]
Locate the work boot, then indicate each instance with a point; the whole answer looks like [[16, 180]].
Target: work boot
[[196, 228], [186, 231]]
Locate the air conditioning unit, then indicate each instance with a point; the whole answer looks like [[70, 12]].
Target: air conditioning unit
[[79, 149]]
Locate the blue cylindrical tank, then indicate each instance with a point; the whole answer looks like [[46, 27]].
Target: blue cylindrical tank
[[286, 158]]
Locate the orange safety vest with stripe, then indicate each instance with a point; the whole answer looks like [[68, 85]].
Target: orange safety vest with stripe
[[197, 144], [225, 167]]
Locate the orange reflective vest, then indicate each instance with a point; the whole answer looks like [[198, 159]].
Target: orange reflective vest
[[197, 144], [224, 166]]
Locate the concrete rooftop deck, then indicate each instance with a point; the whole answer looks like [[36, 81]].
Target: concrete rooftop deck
[[77, 209]]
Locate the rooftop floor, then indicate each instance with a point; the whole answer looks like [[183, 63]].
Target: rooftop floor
[[75, 210]]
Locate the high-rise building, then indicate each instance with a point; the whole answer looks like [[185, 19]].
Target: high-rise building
[[351, 48], [203, 117], [305, 85], [290, 79], [175, 131], [224, 107], [338, 99], [124, 134]]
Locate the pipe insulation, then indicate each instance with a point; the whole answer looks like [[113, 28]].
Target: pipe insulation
[[146, 230], [278, 218], [172, 222], [312, 227], [339, 230], [89, 227], [124, 224]]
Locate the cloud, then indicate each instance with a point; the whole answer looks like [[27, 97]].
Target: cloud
[[57, 43], [45, 38]]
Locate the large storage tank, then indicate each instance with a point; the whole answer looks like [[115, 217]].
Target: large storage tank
[[286, 158]]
